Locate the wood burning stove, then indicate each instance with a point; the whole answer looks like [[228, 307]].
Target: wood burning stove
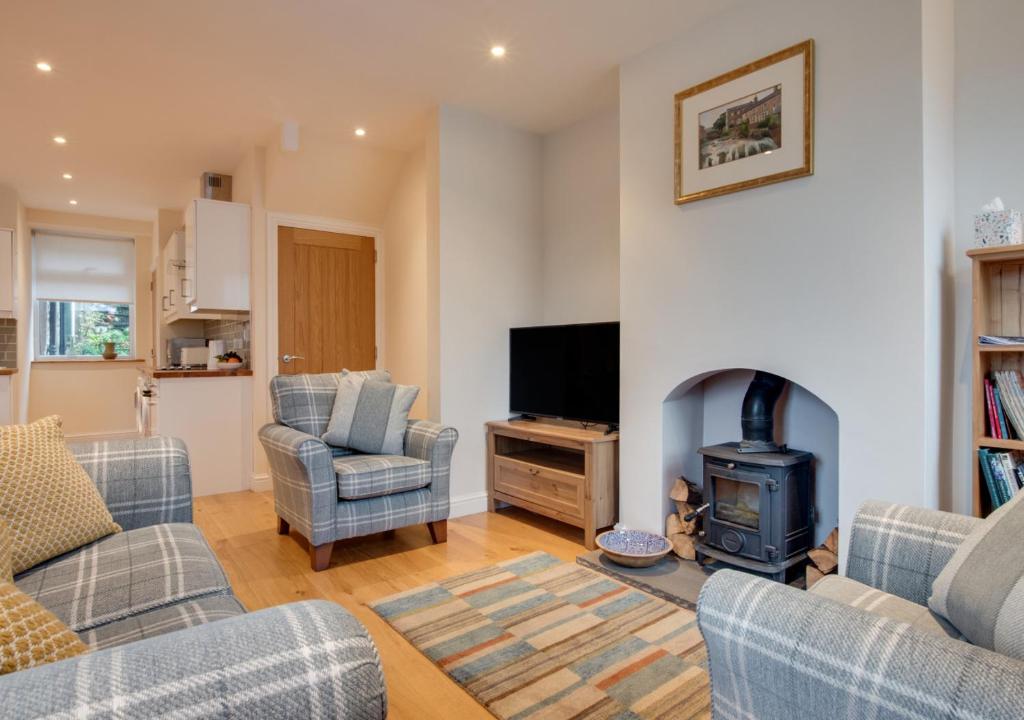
[[760, 508], [759, 496]]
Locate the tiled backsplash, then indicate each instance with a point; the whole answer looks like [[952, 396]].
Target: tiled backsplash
[[234, 333], [8, 342]]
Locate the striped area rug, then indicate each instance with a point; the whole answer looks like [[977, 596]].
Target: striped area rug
[[538, 638]]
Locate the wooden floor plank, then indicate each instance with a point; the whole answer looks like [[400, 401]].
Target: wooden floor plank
[[268, 569]]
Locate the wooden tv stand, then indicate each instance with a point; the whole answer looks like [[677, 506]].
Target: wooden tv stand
[[565, 473]]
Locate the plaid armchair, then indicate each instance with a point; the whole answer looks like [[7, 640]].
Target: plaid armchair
[[166, 635], [328, 493], [864, 645]]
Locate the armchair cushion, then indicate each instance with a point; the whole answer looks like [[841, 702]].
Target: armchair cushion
[[850, 592], [181, 615], [366, 476], [304, 402], [125, 574], [370, 416], [981, 589]]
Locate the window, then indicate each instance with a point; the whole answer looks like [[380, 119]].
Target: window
[[84, 294]]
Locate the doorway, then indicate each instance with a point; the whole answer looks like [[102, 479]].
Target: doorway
[[326, 301]]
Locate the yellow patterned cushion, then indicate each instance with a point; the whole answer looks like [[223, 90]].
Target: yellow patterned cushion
[[30, 634], [46, 497]]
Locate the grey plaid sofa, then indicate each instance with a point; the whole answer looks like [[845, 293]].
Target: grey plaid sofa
[[167, 636], [328, 493], [864, 645]]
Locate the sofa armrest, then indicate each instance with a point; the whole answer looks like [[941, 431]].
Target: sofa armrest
[[305, 485], [309, 659], [901, 549], [435, 443], [778, 653], [143, 482]]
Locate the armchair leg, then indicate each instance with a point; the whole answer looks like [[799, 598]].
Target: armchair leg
[[282, 526], [320, 556], [438, 531]]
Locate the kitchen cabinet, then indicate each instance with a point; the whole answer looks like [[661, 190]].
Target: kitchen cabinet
[[6, 273], [6, 409], [174, 275], [216, 257]]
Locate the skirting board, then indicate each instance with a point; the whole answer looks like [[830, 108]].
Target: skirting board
[[98, 437], [261, 483], [470, 504]]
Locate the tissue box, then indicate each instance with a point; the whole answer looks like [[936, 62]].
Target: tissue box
[[1000, 227]]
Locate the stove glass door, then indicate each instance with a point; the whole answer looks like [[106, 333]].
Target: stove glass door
[[737, 502]]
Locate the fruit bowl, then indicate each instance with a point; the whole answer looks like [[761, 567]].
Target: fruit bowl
[[633, 548], [230, 366]]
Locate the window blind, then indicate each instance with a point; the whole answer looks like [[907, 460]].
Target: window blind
[[86, 269]]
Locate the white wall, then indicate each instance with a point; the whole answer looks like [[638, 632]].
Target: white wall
[[581, 221], [989, 105], [490, 255], [405, 281], [818, 279]]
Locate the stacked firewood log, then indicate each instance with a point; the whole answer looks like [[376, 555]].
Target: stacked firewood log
[[681, 532], [824, 559]]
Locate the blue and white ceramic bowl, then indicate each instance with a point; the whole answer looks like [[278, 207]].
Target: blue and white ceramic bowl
[[633, 548]]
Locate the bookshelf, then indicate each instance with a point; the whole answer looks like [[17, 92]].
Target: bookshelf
[[997, 281]]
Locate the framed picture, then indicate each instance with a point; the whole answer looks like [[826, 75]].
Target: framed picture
[[749, 127]]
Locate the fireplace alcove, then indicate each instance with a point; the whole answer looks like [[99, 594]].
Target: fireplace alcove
[[705, 410]]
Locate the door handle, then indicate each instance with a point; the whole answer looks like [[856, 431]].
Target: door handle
[[183, 281], [288, 358], [170, 295], [163, 303]]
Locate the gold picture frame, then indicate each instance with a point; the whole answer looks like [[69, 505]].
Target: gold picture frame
[[705, 153]]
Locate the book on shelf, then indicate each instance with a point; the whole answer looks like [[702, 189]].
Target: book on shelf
[[1000, 340], [1007, 414], [1003, 472]]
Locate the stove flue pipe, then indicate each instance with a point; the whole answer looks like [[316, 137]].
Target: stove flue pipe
[[757, 418]]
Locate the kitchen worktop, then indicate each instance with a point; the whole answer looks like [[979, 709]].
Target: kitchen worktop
[[158, 374], [8, 371]]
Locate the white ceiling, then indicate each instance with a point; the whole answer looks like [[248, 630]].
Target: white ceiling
[[152, 93]]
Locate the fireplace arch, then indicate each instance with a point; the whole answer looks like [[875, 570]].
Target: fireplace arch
[[705, 410]]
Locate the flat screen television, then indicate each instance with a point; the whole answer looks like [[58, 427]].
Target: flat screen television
[[566, 371]]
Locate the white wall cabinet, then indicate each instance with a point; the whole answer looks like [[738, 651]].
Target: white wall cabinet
[[6, 273], [216, 273]]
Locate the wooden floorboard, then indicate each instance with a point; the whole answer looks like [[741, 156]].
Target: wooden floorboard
[[268, 569]]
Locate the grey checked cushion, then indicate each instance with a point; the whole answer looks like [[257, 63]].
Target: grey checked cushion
[[370, 416], [143, 482], [125, 574], [185, 614], [855, 594], [366, 476], [304, 402], [302, 660], [981, 589]]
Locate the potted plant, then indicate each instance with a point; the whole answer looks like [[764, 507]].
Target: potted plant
[[109, 353]]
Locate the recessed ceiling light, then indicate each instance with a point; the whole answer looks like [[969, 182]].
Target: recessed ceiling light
[[66, 176], [72, 202], [60, 139], [360, 132], [44, 66], [498, 51]]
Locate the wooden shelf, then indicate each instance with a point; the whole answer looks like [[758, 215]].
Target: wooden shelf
[[551, 457], [997, 253], [988, 442], [1001, 348]]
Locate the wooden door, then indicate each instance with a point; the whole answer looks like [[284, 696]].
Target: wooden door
[[325, 301]]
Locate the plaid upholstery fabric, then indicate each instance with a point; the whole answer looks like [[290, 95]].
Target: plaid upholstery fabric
[[143, 482], [125, 574], [778, 653], [304, 402], [304, 660], [902, 549], [185, 614], [365, 476], [305, 484]]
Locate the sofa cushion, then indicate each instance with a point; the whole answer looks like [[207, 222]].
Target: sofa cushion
[[981, 589], [181, 615], [46, 497], [366, 476], [370, 416], [304, 402], [858, 595], [30, 635], [126, 574]]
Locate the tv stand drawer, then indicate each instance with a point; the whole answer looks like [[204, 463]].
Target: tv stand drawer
[[544, 486]]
